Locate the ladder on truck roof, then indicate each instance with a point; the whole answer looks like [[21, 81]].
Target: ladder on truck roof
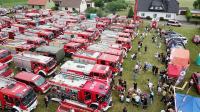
[[4, 81]]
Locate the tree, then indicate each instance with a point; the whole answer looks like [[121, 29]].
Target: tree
[[116, 6], [98, 3], [188, 15], [130, 12], [195, 4]]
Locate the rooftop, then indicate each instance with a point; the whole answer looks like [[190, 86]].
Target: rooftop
[[88, 53], [75, 66]]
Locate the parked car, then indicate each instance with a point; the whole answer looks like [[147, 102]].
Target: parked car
[[174, 23], [196, 39], [37, 82], [196, 78]]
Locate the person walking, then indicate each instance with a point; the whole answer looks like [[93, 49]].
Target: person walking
[[145, 48], [46, 101], [125, 109]]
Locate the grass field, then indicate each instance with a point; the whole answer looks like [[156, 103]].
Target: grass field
[[11, 3], [186, 3]]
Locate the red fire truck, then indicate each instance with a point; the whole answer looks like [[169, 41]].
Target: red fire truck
[[56, 31], [31, 39], [37, 82], [96, 71], [35, 63], [83, 91], [71, 47], [20, 27], [15, 46], [93, 57], [5, 56], [104, 20], [84, 42], [47, 35], [87, 35], [11, 32], [94, 31], [125, 42], [3, 37], [107, 50], [125, 35], [67, 106], [101, 25], [5, 71], [16, 96]]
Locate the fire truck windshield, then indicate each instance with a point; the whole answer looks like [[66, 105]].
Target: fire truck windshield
[[28, 98], [40, 81], [51, 63], [4, 54]]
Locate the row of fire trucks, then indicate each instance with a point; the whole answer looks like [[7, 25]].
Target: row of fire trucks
[[38, 41]]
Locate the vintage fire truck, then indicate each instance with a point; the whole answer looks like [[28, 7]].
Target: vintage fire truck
[[5, 71], [94, 57], [35, 63], [56, 31], [71, 47], [67, 106], [20, 27], [107, 49], [125, 35], [3, 37], [84, 42], [94, 31], [47, 35], [130, 31], [37, 82], [101, 25], [15, 46], [104, 20], [31, 39], [87, 35], [125, 42], [11, 32], [5, 56], [95, 71], [16, 96], [80, 90]]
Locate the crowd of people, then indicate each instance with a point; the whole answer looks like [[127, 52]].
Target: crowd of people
[[164, 88]]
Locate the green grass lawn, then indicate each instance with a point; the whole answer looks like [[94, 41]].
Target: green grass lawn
[[186, 3], [11, 3]]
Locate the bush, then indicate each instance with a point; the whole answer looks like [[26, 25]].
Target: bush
[[188, 15], [116, 6], [91, 10], [162, 19], [98, 3], [148, 17]]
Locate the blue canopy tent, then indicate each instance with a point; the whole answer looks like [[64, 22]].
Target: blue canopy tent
[[187, 103]]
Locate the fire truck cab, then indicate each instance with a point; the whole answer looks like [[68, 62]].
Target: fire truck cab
[[5, 56], [83, 91], [125, 42], [20, 27], [94, 31], [101, 25], [37, 82], [71, 47], [35, 63], [16, 96], [3, 36], [5, 71], [95, 71], [11, 32], [82, 41]]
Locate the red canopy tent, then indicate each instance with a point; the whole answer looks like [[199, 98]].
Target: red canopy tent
[[173, 71]]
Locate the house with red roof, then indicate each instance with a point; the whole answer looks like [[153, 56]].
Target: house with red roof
[[41, 4]]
